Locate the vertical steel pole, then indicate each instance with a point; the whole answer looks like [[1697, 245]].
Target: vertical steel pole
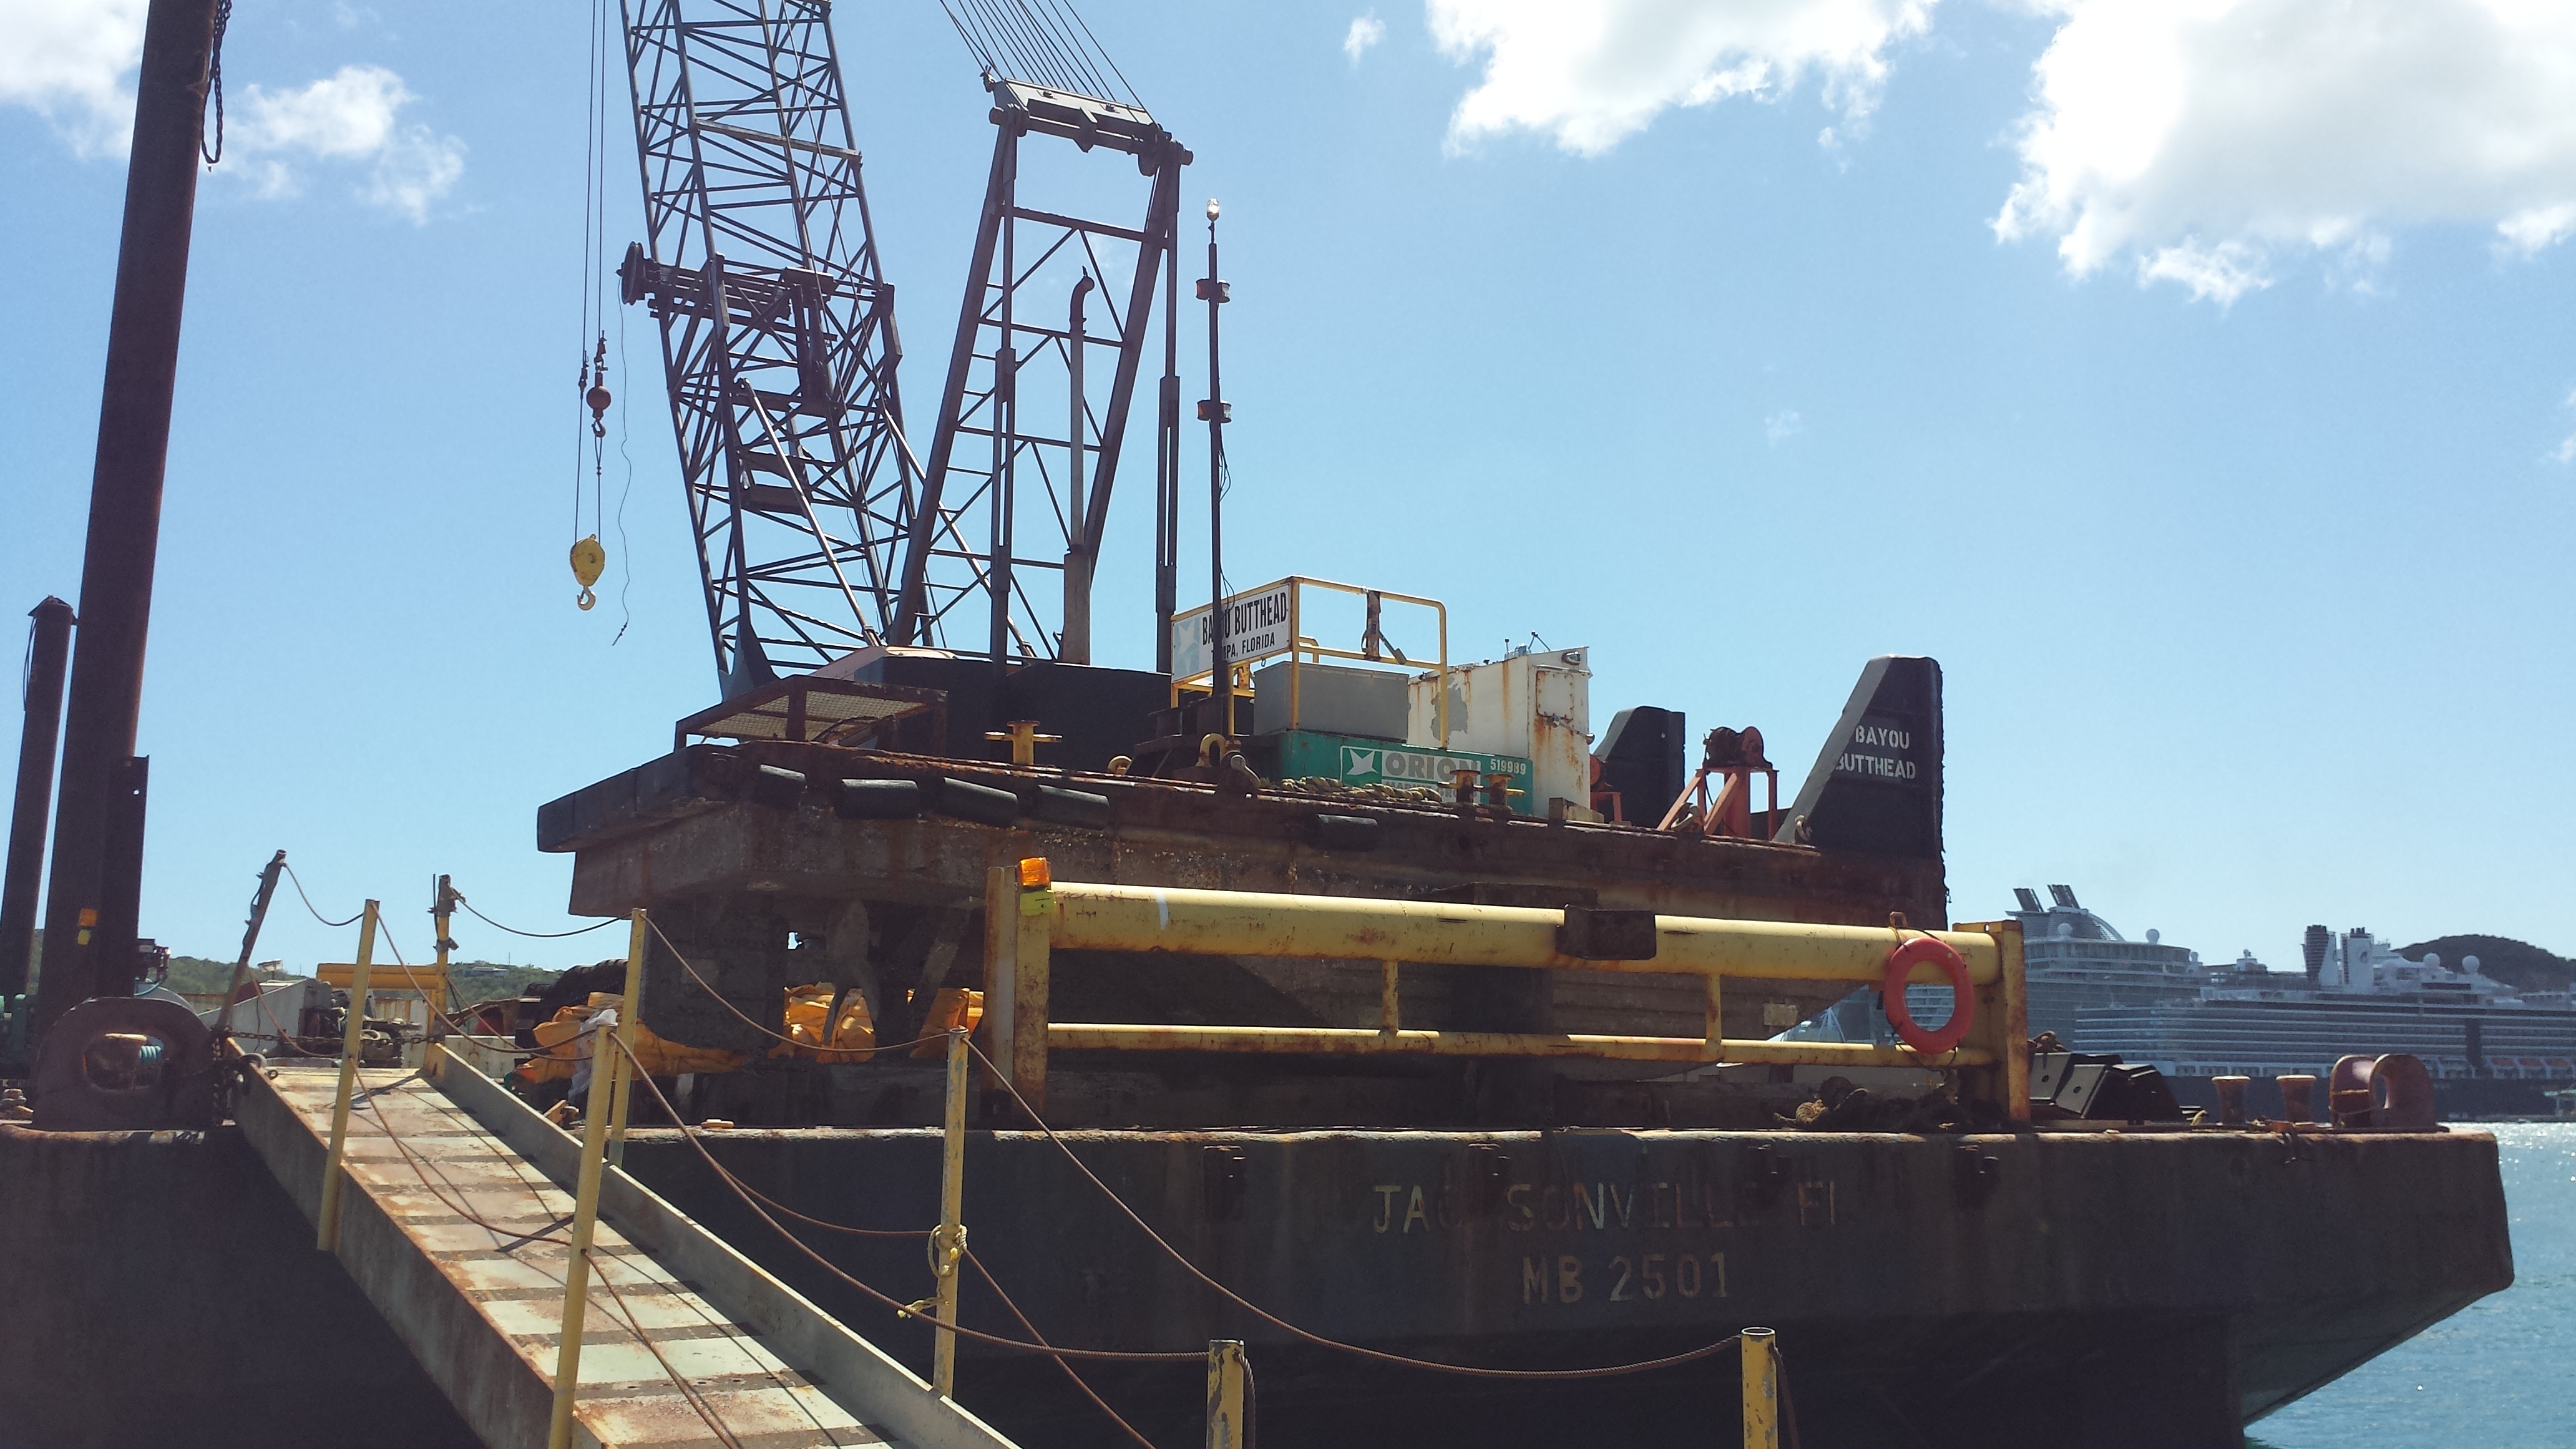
[[250, 942], [629, 1023], [1214, 411], [48, 648], [1761, 1389], [595, 1117], [1075, 648], [352, 1039], [1167, 453], [1226, 1428], [950, 1245], [125, 488], [1006, 426]]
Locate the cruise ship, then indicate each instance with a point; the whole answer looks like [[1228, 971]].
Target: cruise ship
[[2491, 1050]]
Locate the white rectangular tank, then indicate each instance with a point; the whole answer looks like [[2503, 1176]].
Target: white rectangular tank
[[1537, 705]]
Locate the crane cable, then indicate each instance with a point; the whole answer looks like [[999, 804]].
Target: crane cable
[[588, 556]]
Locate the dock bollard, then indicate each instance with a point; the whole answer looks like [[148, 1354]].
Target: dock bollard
[[353, 1037], [2231, 1099], [1228, 1380], [1761, 1389], [2298, 1097]]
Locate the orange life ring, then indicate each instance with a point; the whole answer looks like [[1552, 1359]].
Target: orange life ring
[[1963, 1001]]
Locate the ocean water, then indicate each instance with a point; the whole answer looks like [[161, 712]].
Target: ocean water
[[2499, 1374]]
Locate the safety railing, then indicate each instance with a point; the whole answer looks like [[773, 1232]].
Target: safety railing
[[1283, 607], [1028, 917]]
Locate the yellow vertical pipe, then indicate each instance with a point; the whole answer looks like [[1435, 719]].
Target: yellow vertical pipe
[[352, 1038], [950, 1245], [2012, 1034], [1761, 1389], [1031, 987], [1225, 1394], [622, 1086], [585, 1222]]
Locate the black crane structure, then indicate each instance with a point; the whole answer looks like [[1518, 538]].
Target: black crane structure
[[821, 527]]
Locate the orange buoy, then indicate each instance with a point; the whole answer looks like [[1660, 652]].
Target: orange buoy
[[1963, 1001]]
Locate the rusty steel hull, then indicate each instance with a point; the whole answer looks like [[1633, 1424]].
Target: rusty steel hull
[[731, 866], [161, 1288], [705, 839], [2088, 1289]]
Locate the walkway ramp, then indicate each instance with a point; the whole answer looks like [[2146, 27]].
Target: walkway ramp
[[450, 1180]]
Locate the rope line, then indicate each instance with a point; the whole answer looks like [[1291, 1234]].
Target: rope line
[[317, 910], [756, 1026], [215, 85], [1317, 1339], [1032, 1330], [534, 935], [901, 1308]]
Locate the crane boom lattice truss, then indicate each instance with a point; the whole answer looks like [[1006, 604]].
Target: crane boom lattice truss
[[777, 324]]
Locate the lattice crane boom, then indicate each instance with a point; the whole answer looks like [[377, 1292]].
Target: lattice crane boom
[[779, 345], [820, 530]]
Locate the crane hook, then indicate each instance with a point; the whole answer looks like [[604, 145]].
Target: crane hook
[[596, 395], [588, 558]]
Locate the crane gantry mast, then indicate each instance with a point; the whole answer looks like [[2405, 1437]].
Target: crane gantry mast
[[820, 528]]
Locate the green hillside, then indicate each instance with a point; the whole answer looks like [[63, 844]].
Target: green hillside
[[2518, 964], [203, 976]]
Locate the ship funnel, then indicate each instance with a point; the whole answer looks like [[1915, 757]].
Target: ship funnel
[[2064, 896], [2312, 951]]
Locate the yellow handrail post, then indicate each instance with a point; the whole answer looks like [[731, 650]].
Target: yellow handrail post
[[326, 1232], [1225, 1395], [1032, 926], [1761, 1389], [628, 1023], [595, 1115], [948, 1245]]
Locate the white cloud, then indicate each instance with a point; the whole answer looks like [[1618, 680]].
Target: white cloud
[[2211, 141], [68, 59], [73, 61], [1780, 427], [2565, 452], [1365, 31], [351, 117], [1594, 73]]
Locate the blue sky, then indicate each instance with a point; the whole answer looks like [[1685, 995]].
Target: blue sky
[[2194, 381]]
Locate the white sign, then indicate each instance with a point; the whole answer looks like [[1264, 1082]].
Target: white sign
[[1256, 628]]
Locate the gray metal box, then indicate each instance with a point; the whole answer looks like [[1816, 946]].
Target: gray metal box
[[1331, 699]]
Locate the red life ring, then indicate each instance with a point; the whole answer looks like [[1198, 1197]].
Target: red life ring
[[1963, 1001]]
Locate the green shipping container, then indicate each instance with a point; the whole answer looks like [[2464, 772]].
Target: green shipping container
[[1304, 754]]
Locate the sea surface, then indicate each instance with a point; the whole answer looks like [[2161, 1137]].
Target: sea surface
[[2499, 1374]]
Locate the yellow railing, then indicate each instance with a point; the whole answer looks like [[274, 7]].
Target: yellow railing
[[1373, 649], [1028, 918]]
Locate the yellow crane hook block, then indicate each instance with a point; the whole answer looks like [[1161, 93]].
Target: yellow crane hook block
[[588, 559]]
